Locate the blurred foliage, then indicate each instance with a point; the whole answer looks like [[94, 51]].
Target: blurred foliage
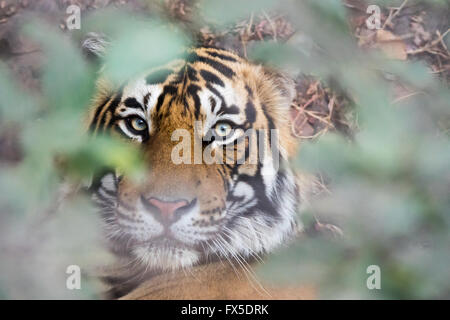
[[40, 239], [131, 52], [389, 185]]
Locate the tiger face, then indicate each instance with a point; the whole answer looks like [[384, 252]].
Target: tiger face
[[210, 193]]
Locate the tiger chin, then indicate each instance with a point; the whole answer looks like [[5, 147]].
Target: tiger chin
[[186, 215]]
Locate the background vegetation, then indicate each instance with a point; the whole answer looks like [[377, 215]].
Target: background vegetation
[[372, 108]]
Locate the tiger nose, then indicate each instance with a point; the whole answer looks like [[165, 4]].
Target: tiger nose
[[167, 211]]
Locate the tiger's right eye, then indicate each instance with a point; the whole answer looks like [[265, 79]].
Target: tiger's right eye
[[138, 124]]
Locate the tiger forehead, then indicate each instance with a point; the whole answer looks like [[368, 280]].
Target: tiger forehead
[[211, 64], [182, 80]]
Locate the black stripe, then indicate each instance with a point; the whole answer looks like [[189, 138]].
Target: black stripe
[[191, 73], [179, 77], [270, 121], [111, 108], [250, 112], [211, 77], [263, 204], [98, 176], [221, 56], [102, 199], [217, 93], [108, 192], [227, 72], [213, 103], [224, 178], [192, 90], [167, 90], [146, 98], [133, 103], [97, 113], [249, 91], [233, 109]]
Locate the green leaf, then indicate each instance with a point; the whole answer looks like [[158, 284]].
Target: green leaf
[[68, 82], [15, 104]]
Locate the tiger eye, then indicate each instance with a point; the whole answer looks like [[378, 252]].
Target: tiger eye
[[222, 129], [138, 124]]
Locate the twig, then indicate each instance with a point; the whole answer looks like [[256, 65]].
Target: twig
[[245, 37], [272, 25], [331, 106], [430, 45], [313, 98], [19, 53], [441, 37], [412, 94], [389, 19], [440, 70]]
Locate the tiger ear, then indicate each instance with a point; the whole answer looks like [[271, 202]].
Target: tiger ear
[[94, 45]]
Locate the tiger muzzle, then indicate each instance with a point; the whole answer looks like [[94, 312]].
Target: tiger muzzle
[[167, 212]]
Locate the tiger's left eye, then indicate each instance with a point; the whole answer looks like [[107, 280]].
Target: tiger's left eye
[[138, 124], [223, 129]]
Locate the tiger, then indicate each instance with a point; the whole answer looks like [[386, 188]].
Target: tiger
[[186, 215]]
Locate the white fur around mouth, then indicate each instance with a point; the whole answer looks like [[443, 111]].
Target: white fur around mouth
[[165, 243], [166, 257]]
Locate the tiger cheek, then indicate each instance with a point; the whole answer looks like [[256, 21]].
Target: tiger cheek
[[127, 193], [210, 190]]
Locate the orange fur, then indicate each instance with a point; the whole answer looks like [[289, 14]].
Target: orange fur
[[215, 281]]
